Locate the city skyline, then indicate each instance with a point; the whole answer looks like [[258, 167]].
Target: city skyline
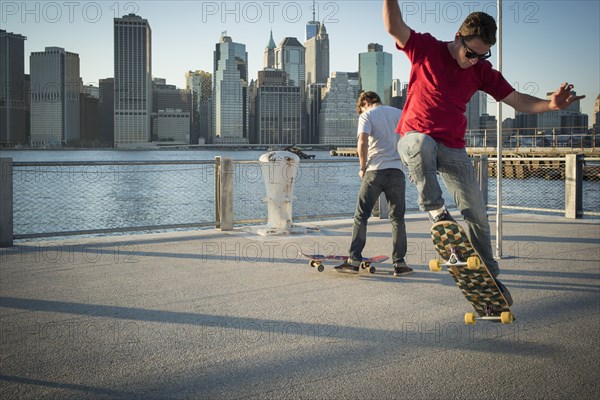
[[185, 33]]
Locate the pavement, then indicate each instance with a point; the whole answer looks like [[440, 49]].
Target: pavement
[[231, 315]]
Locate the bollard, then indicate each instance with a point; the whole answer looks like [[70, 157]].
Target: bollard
[[574, 186], [224, 193], [279, 171]]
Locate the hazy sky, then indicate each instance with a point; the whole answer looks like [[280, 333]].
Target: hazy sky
[[544, 42]]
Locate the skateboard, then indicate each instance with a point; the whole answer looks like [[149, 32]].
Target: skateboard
[[316, 261], [471, 275]]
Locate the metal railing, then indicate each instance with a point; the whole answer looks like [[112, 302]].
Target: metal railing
[[577, 137], [45, 199]]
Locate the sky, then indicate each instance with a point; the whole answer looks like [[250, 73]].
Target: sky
[[544, 43]]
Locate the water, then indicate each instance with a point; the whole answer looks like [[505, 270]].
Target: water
[[58, 199]]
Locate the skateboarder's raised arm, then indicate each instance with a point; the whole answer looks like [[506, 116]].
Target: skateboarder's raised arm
[[393, 22], [559, 100]]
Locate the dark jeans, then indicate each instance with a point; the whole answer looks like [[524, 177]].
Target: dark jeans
[[393, 184]]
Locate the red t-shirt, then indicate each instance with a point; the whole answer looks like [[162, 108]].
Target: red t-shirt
[[439, 90]]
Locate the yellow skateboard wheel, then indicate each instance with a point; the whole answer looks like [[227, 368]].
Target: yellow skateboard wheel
[[506, 317], [435, 265], [470, 318], [473, 263]]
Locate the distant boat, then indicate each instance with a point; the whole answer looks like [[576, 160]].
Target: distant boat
[[299, 153]]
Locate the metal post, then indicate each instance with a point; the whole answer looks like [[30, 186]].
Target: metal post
[[6, 202], [499, 135], [574, 186]]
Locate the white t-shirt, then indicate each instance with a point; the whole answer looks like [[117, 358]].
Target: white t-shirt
[[380, 124]]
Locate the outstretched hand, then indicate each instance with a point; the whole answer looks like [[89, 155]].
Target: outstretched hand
[[563, 97]]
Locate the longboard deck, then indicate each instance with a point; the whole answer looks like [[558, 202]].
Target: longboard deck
[[477, 285], [316, 260]]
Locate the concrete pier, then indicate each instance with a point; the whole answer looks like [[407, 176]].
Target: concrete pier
[[226, 315]]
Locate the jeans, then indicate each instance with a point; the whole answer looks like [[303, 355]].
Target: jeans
[[392, 183], [426, 158]]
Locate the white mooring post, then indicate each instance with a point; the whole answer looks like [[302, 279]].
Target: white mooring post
[[574, 186], [279, 171]]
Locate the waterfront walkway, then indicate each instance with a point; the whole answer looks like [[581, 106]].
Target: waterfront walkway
[[226, 315]]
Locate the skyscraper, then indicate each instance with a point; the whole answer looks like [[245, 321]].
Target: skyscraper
[[289, 56], [55, 89], [200, 84], [375, 70], [312, 27], [399, 91], [13, 114], [317, 72], [230, 92], [133, 80], [338, 118], [106, 109], [476, 107], [278, 109], [317, 57]]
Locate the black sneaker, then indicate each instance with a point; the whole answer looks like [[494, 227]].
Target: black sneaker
[[443, 216], [505, 292], [346, 267], [402, 269]]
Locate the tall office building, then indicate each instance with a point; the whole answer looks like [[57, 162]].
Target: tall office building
[[399, 91], [55, 89], [317, 73], [375, 70], [338, 118], [230, 92], [476, 107], [89, 116], [277, 109], [200, 85], [312, 27], [317, 57], [13, 113], [106, 109], [289, 57], [133, 80]]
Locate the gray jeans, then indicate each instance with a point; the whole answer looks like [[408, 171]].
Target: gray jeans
[[392, 183], [426, 158]]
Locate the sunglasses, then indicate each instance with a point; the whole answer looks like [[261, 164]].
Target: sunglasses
[[471, 54]]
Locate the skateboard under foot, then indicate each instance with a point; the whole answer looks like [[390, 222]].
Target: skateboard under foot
[[471, 275], [316, 261]]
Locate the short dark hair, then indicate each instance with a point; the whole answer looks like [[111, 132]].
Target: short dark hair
[[479, 25], [369, 97]]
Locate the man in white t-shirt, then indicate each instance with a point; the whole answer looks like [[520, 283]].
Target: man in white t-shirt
[[380, 171]]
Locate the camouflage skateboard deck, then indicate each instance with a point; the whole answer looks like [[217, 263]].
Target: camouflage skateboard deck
[[316, 261], [470, 274]]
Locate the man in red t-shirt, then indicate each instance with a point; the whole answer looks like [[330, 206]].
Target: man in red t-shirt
[[443, 78]]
